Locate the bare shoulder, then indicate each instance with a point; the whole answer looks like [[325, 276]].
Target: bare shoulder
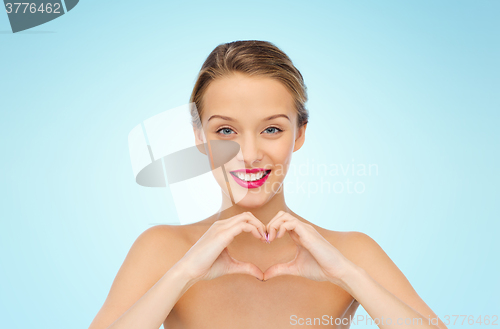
[[358, 247], [163, 242], [161, 235], [175, 238], [151, 255], [153, 252], [366, 253]]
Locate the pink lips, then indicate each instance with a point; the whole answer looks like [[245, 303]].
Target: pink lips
[[253, 184]]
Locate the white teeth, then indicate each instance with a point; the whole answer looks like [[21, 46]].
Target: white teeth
[[250, 177]]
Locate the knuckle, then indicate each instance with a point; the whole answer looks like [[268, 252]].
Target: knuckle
[[242, 216]]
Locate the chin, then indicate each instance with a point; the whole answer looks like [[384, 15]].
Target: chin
[[252, 202]]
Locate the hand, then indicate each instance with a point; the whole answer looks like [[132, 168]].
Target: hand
[[208, 258], [316, 258]]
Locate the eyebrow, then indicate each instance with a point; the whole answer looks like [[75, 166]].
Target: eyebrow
[[266, 119]]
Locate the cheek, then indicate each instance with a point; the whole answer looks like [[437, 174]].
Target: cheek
[[280, 151], [281, 154], [283, 147]]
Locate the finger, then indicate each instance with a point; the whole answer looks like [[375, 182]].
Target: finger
[[249, 218], [274, 227], [276, 217], [290, 224], [280, 269], [237, 267], [254, 220], [302, 233], [285, 226], [244, 227], [294, 236], [273, 224], [228, 224]]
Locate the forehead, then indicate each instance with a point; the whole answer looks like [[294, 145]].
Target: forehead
[[238, 95]]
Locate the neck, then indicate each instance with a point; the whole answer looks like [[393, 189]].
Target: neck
[[264, 213]]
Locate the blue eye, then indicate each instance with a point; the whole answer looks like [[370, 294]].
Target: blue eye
[[225, 131], [273, 130]]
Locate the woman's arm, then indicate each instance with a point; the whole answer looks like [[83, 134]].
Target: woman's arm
[[158, 271], [148, 284], [360, 267], [151, 310], [382, 289]]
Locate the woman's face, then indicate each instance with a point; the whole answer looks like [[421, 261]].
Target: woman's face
[[259, 114]]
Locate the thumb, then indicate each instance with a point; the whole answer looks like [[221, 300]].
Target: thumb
[[237, 267], [280, 269]]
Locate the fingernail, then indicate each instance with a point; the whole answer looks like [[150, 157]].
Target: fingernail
[[259, 279]]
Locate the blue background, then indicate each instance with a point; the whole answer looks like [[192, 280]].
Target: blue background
[[410, 86]]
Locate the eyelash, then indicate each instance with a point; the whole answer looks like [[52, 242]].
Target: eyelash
[[222, 128]]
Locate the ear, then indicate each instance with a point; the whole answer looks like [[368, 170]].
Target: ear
[[199, 139], [301, 136]]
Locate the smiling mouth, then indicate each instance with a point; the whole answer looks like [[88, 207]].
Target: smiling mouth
[[250, 178]]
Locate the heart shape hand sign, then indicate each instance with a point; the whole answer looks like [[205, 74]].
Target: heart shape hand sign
[[316, 258]]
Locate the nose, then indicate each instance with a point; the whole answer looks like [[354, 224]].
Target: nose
[[250, 153]]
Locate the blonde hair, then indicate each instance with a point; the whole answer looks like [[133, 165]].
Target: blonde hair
[[251, 57]]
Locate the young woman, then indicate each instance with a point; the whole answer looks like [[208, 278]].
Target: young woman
[[256, 263]]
